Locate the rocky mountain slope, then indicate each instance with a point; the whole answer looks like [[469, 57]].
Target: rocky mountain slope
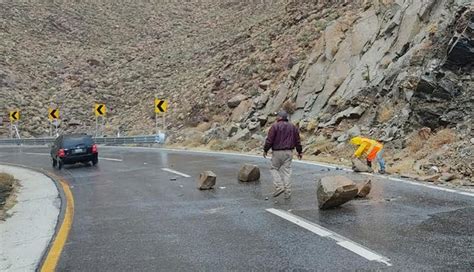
[[396, 70]]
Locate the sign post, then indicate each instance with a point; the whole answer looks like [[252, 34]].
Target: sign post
[[53, 116], [100, 110], [14, 118], [161, 107]]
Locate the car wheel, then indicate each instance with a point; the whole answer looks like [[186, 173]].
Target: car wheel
[[95, 161], [55, 163], [60, 165]]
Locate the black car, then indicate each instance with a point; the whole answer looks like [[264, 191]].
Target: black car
[[74, 148]]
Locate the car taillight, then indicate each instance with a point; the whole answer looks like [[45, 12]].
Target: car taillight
[[61, 153], [94, 148]]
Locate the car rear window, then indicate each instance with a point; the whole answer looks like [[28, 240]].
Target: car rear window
[[71, 142]]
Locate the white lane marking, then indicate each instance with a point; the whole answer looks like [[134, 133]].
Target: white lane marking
[[175, 172], [110, 159], [363, 252], [101, 158], [432, 187], [467, 194], [41, 154], [340, 240], [460, 192], [301, 222]]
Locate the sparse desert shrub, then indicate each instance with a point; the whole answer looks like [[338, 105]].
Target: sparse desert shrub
[[442, 137], [403, 166], [385, 113], [334, 51], [6, 180], [204, 126], [289, 106], [338, 82], [216, 144], [385, 63], [219, 119], [6, 187], [415, 143]]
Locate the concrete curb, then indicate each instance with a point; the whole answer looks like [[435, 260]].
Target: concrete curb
[[26, 234]]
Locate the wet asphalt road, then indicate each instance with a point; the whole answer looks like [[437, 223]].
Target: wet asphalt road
[[130, 215]]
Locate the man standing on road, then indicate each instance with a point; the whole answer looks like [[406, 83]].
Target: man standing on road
[[282, 138]]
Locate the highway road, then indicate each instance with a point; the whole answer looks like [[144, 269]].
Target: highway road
[[140, 210]]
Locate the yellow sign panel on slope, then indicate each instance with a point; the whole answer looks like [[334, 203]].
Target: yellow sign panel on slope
[[100, 110], [161, 105], [14, 116], [53, 114]]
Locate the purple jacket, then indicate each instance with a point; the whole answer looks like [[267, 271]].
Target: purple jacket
[[283, 135]]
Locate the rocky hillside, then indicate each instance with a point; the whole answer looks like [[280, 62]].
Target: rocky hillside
[[396, 70]]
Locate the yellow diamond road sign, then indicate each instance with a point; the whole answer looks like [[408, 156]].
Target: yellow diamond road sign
[[161, 105], [100, 110], [53, 114], [14, 116]]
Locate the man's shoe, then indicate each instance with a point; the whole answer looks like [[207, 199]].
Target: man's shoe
[[382, 172], [278, 192]]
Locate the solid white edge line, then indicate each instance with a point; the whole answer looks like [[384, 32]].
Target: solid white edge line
[[324, 232], [175, 172]]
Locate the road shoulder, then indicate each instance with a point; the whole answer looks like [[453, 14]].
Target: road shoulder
[[31, 224]]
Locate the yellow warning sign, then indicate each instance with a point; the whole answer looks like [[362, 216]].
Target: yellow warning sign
[[161, 105], [15, 116], [53, 114], [100, 110]]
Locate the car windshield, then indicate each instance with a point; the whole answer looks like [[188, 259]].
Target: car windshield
[[71, 142]]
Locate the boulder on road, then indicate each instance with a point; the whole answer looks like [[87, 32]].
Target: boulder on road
[[249, 172], [364, 188], [207, 180], [334, 191], [359, 166]]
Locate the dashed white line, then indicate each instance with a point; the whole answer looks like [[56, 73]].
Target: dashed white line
[[40, 154], [101, 158], [340, 240], [110, 159], [175, 172]]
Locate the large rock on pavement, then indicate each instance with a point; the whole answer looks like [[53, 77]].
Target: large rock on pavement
[[207, 180], [249, 172], [359, 166], [334, 191], [364, 188]]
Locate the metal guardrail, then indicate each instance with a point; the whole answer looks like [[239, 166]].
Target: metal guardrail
[[146, 139]]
